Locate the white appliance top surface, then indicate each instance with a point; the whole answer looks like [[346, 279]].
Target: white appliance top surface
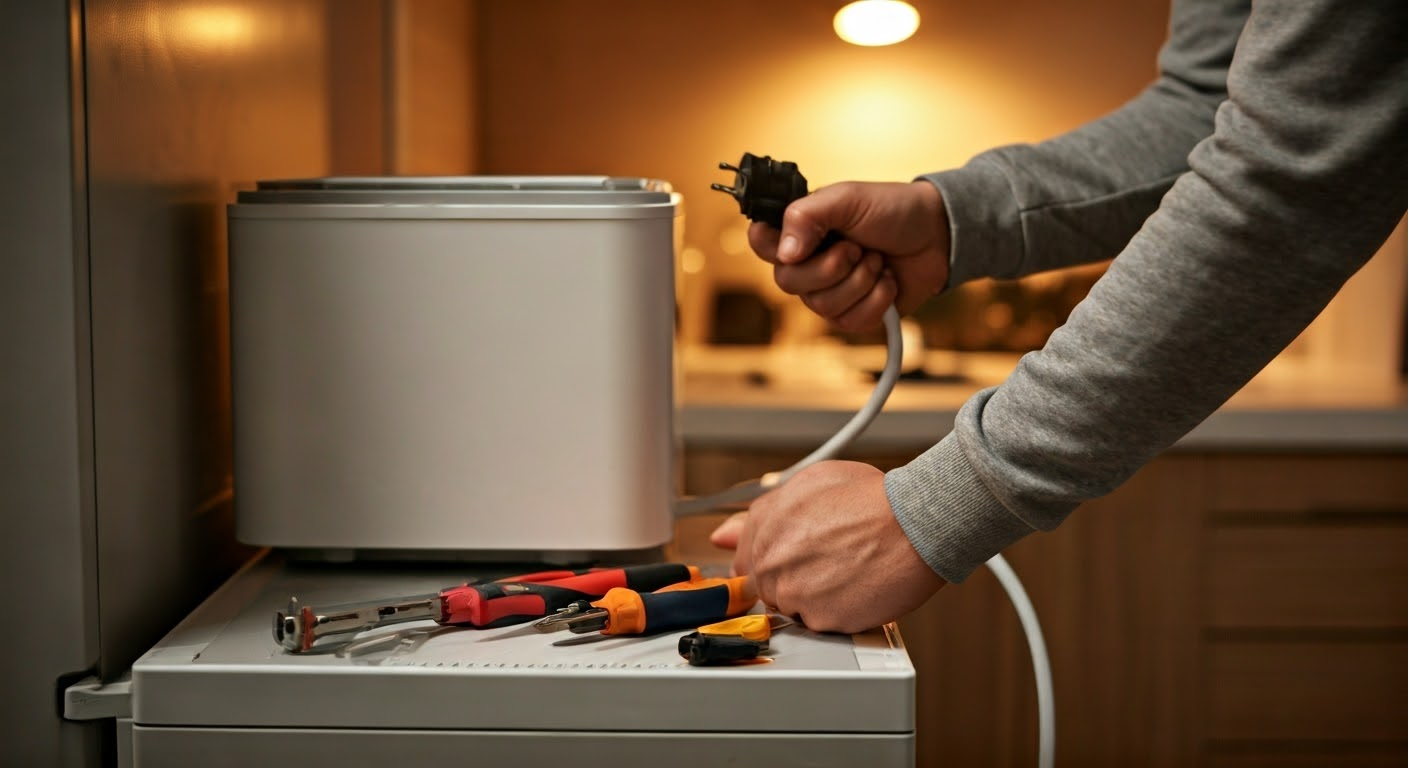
[[222, 666]]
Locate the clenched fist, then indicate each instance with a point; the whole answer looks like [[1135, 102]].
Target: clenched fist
[[894, 251]]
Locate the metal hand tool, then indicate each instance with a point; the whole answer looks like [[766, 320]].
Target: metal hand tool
[[495, 604]]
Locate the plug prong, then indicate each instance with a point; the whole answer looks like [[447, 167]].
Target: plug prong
[[727, 167], [722, 188]]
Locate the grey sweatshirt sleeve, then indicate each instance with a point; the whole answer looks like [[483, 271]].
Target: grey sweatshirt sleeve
[[1078, 198], [1301, 180]]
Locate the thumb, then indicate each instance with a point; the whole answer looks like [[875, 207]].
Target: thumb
[[726, 535], [807, 220]]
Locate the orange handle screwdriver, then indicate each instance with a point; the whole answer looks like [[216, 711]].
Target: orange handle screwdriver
[[679, 606]]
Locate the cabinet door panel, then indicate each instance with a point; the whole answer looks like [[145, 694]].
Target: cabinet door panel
[[1309, 487], [1316, 577], [1317, 756], [1307, 691]]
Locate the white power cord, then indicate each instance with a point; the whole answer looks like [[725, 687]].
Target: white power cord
[[1026, 612], [1041, 662], [745, 492]]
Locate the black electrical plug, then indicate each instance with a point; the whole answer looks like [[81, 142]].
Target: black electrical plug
[[764, 187]]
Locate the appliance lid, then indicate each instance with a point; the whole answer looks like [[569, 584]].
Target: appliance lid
[[458, 197], [469, 183]]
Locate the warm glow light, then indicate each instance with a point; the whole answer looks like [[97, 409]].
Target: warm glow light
[[876, 22], [734, 240], [216, 25], [692, 261]]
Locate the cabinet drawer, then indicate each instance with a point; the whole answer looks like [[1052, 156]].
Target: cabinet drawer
[[1334, 487], [1307, 691], [1313, 756], [1313, 576]]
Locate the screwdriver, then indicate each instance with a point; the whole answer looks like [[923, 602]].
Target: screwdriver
[[513, 600], [633, 612]]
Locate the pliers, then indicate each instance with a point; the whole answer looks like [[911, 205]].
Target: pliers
[[512, 600]]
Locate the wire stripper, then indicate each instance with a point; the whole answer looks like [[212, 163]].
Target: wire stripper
[[511, 600], [633, 612]]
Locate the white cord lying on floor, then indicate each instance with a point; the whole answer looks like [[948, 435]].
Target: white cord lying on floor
[[1026, 612]]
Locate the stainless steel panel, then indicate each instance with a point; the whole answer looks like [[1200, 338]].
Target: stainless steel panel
[[46, 500], [398, 386]]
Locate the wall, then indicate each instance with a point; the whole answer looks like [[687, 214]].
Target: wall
[[637, 87], [432, 72]]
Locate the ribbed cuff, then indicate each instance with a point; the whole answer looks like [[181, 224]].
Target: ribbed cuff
[[984, 221], [953, 521]]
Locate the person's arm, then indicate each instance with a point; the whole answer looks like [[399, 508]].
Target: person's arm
[[1079, 197], [1305, 175], [1014, 210]]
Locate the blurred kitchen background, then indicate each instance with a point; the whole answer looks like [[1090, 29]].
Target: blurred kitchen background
[[636, 87], [646, 88], [669, 89]]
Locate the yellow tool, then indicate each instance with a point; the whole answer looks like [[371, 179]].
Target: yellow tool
[[742, 639]]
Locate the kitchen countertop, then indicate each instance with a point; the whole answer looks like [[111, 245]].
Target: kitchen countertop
[[787, 398]]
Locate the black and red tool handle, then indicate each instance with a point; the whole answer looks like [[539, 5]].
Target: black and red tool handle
[[502, 603]]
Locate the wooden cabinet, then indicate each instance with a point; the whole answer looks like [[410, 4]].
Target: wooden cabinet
[[1224, 610], [1305, 610]]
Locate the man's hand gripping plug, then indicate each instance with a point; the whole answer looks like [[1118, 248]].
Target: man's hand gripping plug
[[825, 548]]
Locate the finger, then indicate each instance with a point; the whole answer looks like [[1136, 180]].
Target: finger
[[726, 535], [763, 240], [764, 579], [783, 607], [767, 593], [835, 301], [806, 221], [820, 272], [743, 552], [867, 312]]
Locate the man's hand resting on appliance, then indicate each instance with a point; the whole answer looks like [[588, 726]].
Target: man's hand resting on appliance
[[825, 548], [895, 250]]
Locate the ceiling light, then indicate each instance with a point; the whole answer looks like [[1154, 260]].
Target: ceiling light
[[876, 22]]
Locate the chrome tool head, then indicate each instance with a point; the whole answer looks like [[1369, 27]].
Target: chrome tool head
[[297, 629], [578, 617], [289, 628]]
